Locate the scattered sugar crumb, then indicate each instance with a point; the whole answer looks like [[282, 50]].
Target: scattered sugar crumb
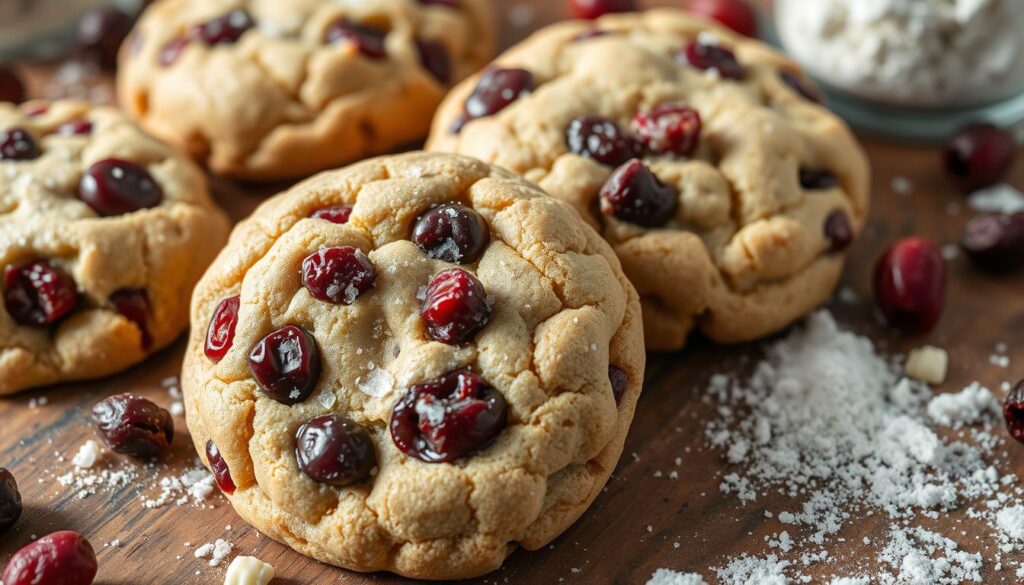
[[216, 552], [87, 456], [670, 577]]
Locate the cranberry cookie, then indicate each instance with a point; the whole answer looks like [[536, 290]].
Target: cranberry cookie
[[103, 233], [262, 89], [727, 190], [413, 364]]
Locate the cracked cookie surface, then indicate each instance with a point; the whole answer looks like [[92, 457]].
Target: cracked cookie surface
[[268, 89], [104, 231], [439, 367], [703, 157]]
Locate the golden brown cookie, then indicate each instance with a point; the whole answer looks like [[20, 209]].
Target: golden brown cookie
[[413, 364], [266, 89], [103, 233], [728, 192]]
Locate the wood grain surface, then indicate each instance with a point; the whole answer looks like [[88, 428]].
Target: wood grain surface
[[635, 526]]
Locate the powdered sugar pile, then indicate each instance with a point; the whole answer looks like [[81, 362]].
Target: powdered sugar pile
[[216, 551]]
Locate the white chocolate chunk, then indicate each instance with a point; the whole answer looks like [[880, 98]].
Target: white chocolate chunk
[[248, 571], [928, 364]]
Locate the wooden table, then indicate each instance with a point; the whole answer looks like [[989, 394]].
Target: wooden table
[[633, 527]]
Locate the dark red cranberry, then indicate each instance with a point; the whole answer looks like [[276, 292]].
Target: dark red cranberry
[[337, 275], [12, 89], [61, 558], [286, 364], [435, 58], [76, 127], [114, 186], [910, 285], [449, 417], [818, 179], [100, 34], [224, 29], [219, 467], [632, 193], [668, 128], [838, 230], [451, 233], [592, 9], [38, 294], [496, 89], [367, 40], [220, 335], [735, 14], [133, 304], [333, 214], [334, 450], [18, 144], [599, 139], [132, 425], [979, 155], [455, 306], [171, 51], [708, 56], [1013, 412], [995, 241], [10, 500], [620, 382], [799, 84]]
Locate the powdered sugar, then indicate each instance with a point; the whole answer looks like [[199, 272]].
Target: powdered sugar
[[217, 551], [669, 577]]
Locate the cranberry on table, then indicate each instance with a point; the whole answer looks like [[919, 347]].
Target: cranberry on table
[[800, 85], [60, 558], [838, 230], [100, 34], [10, 500], [334, 214], [451, 233], [12, 88], [224, 29], [455, 306], [713, 57], [591, 9], [132, 425], [368, 41], [221, 473], [818, 179], [220, 335], [995, 241], [18, 144], [496, 89], [619, 381], [38, 294], [286, 364], [668, 128], [435, 58], [1013, 412], [133, 304], [337, 275], [335, 450], [115, 186], [77, 127], [448, 418], [735, 14], [171, 51], [599, 139], [910, 285], [632, 193], [979, 155]]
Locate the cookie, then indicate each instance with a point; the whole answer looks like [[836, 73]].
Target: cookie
[[727, 190], [264, 90], [413, 364], [104, 231]]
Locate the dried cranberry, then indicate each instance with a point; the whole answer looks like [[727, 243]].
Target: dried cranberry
[[337, 275], [224, 29], [451, 233], [1013, 412], [980, 155], [619, 381], [995, 241], [368, 41], [632, 193], [114, 186], [735, 14], [220, 335], [171, 51], [12, 89], [38, 294], [76, 127], [61, 558], [599, 139], [669, 128], [713, 57], [133, 304], [496, 89], [333, 214], [10, 500], [818, 179], [838, 231], [132, 425], [910, 285], [18, 144], [435, 58], [334, 450], [219, 467], [100, 34], [800, 85], [449, 417], [591, 9], [286, 364], [455, 306]]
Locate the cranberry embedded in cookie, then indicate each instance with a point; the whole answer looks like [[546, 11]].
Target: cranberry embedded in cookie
[[619, 381], [713, 57], [219, 467], [367, 40], [334, 214], [115, 186], [337, 275], [220, 335], [668, 129], [435, 58], [599, 139], [38, 294], [800, 85], [335, 450], [224, 29], [496, 89], [286, 364], [133, 304], [632, 193], [448, 418], [18, 144], [838, 230], [452, 233], [77, 127], [455, 306], [171, 51], [818, 179]]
